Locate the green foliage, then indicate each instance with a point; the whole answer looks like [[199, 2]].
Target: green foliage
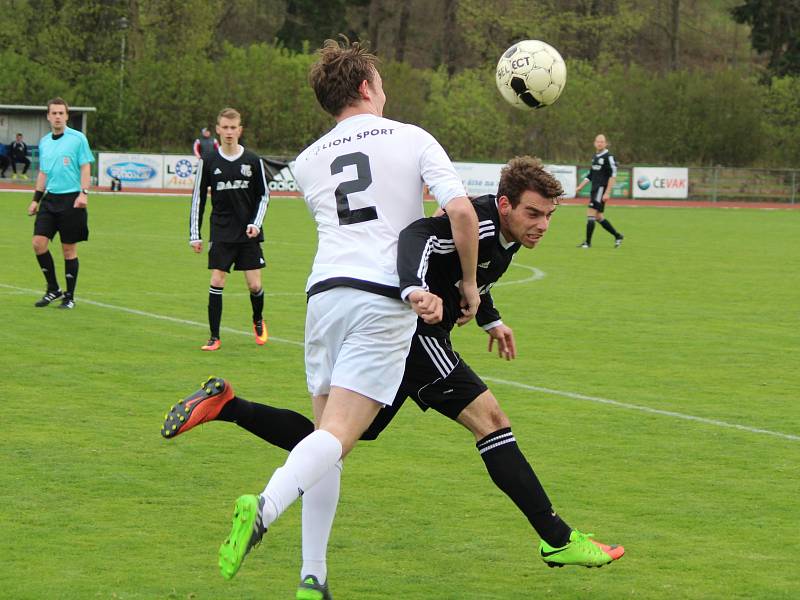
[[775, 31], [177, 74]]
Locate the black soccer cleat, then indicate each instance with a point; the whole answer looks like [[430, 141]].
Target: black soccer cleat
[[48, 297], [618, 241], [67, 303]]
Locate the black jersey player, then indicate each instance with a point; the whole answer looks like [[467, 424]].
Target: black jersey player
[[602, 176], [239, 198]]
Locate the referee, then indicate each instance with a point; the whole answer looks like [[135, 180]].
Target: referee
[[602, 176], [60, 200]]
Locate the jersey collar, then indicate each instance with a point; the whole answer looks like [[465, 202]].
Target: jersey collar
[[233, 158]]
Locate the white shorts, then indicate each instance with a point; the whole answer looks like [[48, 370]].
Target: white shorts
[[357, 340]]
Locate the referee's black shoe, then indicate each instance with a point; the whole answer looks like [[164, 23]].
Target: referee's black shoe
[[48, 297]]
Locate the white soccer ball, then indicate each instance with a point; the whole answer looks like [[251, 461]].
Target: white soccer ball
[[531, 74]]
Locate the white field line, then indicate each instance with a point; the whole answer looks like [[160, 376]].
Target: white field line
[[516, 384]]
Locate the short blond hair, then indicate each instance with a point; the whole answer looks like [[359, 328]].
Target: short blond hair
[[229, 113]]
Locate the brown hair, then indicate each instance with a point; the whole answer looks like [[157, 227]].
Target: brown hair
[[229, 113], [336, 76], [57, 100], [524, 173]]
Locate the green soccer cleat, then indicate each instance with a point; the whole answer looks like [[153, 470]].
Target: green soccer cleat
[[581, 550], [246, 533], [202, 406], [311, 589]]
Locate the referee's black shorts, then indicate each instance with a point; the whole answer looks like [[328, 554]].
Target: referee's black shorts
[[242, 256], [57, 214], [435, 377]]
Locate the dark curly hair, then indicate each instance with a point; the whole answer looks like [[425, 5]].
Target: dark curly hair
[[527, 173]]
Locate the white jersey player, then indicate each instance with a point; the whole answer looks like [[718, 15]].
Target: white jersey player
[[363, 183]]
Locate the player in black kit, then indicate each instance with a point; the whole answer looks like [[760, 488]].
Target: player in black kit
[[435, 375], [602, 176], [239, 198]]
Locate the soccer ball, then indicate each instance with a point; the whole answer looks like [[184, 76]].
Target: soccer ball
[[531, 74]]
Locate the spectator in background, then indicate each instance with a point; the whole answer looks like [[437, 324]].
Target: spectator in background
[[602, 176], [205, 146], [19, 154], [4, 162]]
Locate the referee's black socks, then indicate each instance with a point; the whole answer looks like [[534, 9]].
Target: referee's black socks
[[512, 473], [278, 426], [71, 274], [48, 270]]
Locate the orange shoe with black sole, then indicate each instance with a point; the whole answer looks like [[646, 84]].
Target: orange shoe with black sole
[[202, 406]]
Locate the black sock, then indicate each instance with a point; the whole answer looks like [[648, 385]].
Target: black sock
[[257, 302], [71, 275], [48, 268], [214, 309], [278, 426], [511, 472], [589, 230], [606, 224]]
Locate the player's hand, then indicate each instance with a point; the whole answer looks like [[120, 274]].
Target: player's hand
[[33, 207], [197, 247], [81, 201], [470, 300], [506, 348], [426, 305], [252, 231]]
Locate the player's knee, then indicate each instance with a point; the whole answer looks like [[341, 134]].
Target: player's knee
[[39, 245]]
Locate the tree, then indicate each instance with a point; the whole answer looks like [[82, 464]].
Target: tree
[[775, 31]]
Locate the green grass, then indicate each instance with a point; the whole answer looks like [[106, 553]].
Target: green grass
[[696, 314]]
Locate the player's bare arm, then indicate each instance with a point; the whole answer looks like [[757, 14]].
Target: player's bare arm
[[86, 178], [41, 184], [609, 187]]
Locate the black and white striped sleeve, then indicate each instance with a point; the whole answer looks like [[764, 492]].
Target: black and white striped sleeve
[[262, 192], [612, 162], [416, 244], [198, 203]]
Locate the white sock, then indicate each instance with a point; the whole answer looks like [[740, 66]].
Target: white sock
[[319, 509], [312, 458]]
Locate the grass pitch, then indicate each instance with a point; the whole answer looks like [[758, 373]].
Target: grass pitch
[[655, 394]]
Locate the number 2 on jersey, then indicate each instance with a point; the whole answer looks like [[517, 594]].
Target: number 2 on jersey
[[348, 216]]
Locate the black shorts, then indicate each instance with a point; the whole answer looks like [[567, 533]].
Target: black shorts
[[596, 199], [246, 256], [57, 214], [435, 377]]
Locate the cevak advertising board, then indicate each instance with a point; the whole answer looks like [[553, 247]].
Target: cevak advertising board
[[179, 171], [483, 178], [133, 170], [660, 182]]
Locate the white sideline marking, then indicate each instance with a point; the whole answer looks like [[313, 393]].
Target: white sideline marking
[[653, 411], [524, 386]]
